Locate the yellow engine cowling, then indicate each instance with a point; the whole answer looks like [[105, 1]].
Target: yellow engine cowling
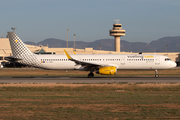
[[110, 70]]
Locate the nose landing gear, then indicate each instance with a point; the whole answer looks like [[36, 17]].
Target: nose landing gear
[[156, 74]]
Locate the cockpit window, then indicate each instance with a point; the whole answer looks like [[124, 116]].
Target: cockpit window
[[167, 59]]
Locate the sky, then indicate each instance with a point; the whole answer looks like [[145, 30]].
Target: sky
[[90, 20]]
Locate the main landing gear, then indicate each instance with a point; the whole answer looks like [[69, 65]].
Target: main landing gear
[[156, 74], [90, 75]]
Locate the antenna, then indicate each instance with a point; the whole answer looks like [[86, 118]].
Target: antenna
[[13, 29], [117, 21]]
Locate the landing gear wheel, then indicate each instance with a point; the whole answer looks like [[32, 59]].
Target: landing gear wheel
[[90, 75], [156, 76]]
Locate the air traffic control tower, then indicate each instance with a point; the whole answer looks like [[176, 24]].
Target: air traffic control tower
[[117, 32]]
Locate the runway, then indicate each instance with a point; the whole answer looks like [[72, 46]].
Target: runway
[[89, 80]]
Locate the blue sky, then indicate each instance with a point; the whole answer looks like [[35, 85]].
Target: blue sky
[[143, 20]]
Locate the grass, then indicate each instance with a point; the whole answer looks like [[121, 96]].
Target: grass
[[90, 101], [39, 72]]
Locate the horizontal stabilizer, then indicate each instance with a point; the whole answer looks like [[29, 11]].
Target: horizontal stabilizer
[[12, 59]]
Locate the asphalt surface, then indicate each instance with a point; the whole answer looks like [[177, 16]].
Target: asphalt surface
[[89, 80]]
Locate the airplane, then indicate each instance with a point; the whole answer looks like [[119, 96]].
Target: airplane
[[104, 64]]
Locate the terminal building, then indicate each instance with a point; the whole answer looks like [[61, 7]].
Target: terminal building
[[117, 32]]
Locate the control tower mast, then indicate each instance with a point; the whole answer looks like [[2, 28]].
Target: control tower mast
[[117, 32]]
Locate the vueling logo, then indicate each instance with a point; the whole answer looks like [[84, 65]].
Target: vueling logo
[[16, 40], [148, 56]]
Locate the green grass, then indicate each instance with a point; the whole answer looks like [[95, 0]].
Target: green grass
[[126, 101]]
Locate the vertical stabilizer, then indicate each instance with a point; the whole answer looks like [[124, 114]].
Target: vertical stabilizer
[[20, 50]]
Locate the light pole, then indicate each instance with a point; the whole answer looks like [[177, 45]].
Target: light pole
[[67, 37], [74, 41], [99, 47], [166, 48]]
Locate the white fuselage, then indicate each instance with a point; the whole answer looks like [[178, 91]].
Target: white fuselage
[[128, 61], [99, 63]]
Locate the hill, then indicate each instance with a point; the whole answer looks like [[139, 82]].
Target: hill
[[170, 44]]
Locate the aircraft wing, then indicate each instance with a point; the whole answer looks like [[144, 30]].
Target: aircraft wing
[[85, 65]]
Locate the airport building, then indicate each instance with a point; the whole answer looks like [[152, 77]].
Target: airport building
[[117, 32]]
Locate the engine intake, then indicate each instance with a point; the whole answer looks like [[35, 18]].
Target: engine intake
[[110, 70]]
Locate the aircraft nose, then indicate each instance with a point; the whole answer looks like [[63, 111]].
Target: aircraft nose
[[174, 65]]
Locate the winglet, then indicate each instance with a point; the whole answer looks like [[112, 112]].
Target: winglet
[[74, 52], [68, 56]]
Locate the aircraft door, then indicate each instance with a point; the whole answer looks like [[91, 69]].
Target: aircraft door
[[157, 60], [122, 61]]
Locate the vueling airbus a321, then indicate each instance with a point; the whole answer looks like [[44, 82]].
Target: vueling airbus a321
[[105, 64]]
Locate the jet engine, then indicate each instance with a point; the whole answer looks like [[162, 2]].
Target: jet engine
[[110, 70]]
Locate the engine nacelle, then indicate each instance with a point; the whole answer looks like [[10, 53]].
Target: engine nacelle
[[110, 70]]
